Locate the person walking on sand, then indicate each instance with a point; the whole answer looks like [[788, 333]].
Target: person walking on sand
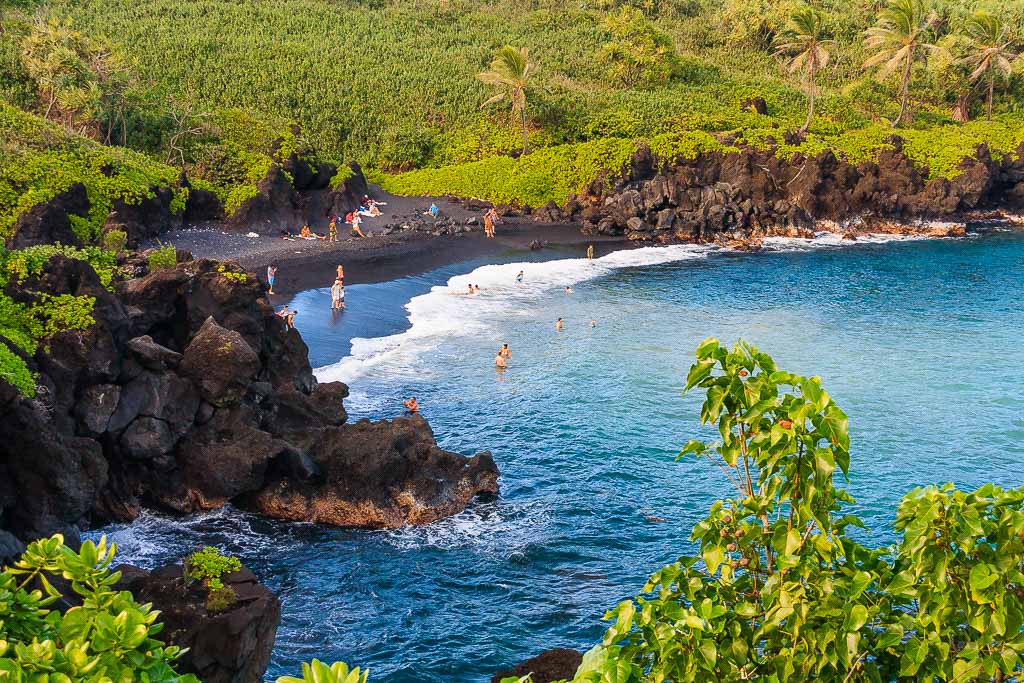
[[558, 325], [411, 406], [590, 252], [271, 277]]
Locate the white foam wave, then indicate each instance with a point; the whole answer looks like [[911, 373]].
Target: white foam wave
[[504, 529], [447, 311]]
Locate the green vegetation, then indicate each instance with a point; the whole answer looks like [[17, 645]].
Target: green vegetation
[[27, 325], [40, 159], [318, 672], [233, 273], [163, 257], [219, 88], [208, 566], [106, 636]]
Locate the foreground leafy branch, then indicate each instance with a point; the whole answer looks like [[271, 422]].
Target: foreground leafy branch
[[780, 592]]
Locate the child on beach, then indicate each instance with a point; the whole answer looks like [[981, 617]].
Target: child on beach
[[332, 231]]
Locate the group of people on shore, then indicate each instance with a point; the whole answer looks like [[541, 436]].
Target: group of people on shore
[[368, 207], [337, 294]]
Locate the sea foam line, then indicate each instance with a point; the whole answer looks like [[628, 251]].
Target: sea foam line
[[446, 311]]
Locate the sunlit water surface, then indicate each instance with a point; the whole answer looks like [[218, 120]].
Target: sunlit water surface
[[919, 341]]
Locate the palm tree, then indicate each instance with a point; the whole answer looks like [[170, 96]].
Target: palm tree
[[899, 37], [990, 55], [803, 41], [510, 72]]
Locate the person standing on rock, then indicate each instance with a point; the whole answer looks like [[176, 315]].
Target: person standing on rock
[[271, 277]]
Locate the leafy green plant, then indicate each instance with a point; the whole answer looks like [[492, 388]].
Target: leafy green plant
[[233, 273], [510, 72], [115, 240], [637, 53], [779, 589], [162, 258], [208, 565], [318, 672], [105, 636]]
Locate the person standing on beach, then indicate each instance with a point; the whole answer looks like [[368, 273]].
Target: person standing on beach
[[488, 225], [271, 277], [332, 230], [590, 252]]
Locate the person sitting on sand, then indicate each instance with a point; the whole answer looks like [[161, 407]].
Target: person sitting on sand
[[271, 277], [332, 231], [356, 220], [504, 351], [411, 406], [558, 325], [308, 234], [500, 362], [519, 278], [432, 211]]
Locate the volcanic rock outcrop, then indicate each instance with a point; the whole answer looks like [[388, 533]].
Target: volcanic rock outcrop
[[752, 193], [189, 392], [228, 645]]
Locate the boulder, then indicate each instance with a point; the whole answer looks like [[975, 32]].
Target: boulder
[[50, 222], [152, 355], [220, 362], [229, 646], [551, 665], [95, 407]]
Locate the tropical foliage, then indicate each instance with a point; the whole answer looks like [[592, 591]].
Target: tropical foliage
[[991, 54], [318, 672], [25, 326], [899, 41], [805, 43], [780, 589], [105, 636]]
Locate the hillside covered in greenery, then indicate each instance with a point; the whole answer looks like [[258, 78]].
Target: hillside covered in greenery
[[216, 87]]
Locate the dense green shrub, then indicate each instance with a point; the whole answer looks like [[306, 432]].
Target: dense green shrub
[[106, 636], [114, 241], [162, 258]]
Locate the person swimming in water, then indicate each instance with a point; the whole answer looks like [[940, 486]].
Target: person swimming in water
[[558, 325], [500, 362], [519, 278], [504, 351], [568, 290], [411, 406]]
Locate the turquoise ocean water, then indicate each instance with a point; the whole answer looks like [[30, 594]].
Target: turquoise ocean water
[[919, 341]]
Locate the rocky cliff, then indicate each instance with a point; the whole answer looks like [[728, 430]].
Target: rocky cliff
[[753, 193], [189, 392]]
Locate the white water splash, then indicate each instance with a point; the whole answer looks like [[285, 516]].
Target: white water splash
[[449, 311]]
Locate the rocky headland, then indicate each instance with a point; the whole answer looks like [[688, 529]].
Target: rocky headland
[[188, 393]]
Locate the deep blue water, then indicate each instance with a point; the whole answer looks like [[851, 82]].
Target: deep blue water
[[919, 341]]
